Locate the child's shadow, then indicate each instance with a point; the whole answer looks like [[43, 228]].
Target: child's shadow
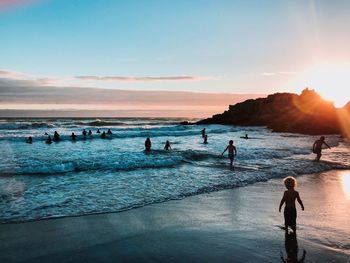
[[291, 245]]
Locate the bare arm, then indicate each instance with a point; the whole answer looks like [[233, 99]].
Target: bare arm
[[282, 201], [300, 202], [224, 151], [326, 145]]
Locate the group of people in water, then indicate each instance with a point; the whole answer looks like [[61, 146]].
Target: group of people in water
[[73, 136]]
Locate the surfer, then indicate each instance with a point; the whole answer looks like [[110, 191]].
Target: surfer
[[232, 151], [167, 146], [245, 137], [98, 131], [317, 147], [109, 131], [148, 144]]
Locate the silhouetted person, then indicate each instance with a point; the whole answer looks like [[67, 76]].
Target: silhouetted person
[[103, 135], [167, 146], [98, 131], [109, 131], [29, 140], [56, 137], [289, 196], [246, 136], [49, 141], [73, 136], [203, 132], [90, 133], [46, 133], [291, 245], [317, 147], [84, 133], [148, 144], [205, 141], [232, 151]]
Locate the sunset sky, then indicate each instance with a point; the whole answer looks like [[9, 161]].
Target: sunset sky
[[238, 47]]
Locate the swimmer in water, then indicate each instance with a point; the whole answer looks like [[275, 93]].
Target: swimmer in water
[[148, 144], [317, 147], [56, 137], [73, 136], [49, 141], [29, 140]]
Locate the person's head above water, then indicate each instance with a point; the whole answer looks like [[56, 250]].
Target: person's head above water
[[230, 142], [290, 182]]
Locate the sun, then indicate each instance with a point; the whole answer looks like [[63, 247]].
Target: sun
[[331, 81]]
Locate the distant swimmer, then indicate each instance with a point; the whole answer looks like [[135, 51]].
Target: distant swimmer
[[109, 131], [84, 133], [203, 132], [205, 141], [167, 146], [148, 144], [56, 137], [98, 131], [103, 135], [49, 141], [90, 133], [317, 147], [245, 137], [73, 136], [232, 151], [289, 197], [46, 133], [29, 140]]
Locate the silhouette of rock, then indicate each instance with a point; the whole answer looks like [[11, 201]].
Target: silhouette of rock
[[307, 113]]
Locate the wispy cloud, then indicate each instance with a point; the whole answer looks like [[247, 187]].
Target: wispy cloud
[[144, 79], [270, 74]]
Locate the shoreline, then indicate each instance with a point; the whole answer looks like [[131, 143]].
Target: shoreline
[[240, 225]]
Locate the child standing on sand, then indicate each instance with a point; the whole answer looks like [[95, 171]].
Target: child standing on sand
[[289, 196]]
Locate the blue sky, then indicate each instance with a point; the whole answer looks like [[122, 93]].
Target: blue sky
[[221, 46]]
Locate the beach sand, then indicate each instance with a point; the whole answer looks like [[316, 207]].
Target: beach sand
[[236, 225]]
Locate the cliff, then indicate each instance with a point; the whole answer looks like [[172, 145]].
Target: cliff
[[307, 113]]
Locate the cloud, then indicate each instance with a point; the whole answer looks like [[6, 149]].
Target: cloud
[[270, 74], [144, 79]]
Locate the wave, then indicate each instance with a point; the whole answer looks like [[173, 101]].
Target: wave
[[23, 125]]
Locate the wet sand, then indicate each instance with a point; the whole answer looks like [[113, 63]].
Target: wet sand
[[238, 225]]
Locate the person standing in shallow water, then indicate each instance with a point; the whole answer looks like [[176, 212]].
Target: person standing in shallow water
[[203, 132], [289, 197], [232, 151], [167, 146], [205, 141], [56, 137], [148, 144], [317, 147]]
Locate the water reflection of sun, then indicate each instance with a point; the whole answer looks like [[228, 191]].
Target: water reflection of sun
[[346, 184]]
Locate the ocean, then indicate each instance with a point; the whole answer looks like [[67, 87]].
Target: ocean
[[95, 175]]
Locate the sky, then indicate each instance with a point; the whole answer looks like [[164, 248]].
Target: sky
[[202, 46]]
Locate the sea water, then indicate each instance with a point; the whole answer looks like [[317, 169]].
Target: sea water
[[95, 175]]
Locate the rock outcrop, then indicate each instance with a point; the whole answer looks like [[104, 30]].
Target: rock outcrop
[[307, 113]]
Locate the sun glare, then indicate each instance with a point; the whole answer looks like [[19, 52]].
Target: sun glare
[[346, 184], [331, 81]]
